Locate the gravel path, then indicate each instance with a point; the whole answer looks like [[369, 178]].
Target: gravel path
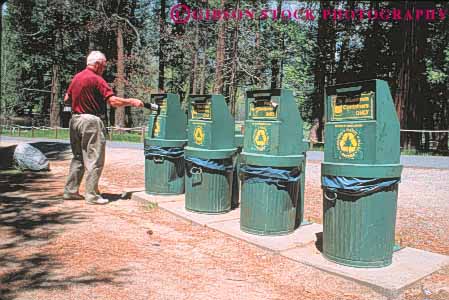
[[51, 249]]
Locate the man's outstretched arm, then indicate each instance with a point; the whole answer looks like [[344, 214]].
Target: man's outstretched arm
[[115, 101]]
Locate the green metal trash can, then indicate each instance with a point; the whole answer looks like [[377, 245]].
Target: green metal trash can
[[360, 174], [272, 164], [210, 184], [209, 155], [164, 170], [164, 147], [269, 206]]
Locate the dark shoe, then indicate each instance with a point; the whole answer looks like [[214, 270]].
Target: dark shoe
[[98, 201], [72, 197]]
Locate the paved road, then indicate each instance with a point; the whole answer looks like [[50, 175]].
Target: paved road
[[413, 161], [437, 162]]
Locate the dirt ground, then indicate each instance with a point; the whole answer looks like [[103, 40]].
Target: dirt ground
[[54, 249]]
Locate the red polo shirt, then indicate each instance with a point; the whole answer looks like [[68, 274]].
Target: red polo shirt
[[89, 92]]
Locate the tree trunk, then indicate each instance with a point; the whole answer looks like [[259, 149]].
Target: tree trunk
[[1, 65], [161, 79], [277, 61], [120, 119], [204, 68], [443, 138], [371, 58], [233, 85], [129, 111], [55, 118], [55, 106], [219, 76], [194, 73], [411, 79], [258, 63], [342, 73], [93, 34], [258, 59], [323, 69], [444, 120], [1, 57]]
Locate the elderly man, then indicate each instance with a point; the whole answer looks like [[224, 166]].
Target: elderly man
[[89, 94]]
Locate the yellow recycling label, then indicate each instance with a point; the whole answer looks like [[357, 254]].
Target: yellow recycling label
[[157, 128], [338, 109], [348, 143], [260, 138], [198, 135]]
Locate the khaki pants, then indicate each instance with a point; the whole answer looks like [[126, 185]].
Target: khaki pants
[[88, 141]]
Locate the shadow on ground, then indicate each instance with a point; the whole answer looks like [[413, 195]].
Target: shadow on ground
[[31, 216], [319, 241], [6, 157], [112, 197], [54, 150]]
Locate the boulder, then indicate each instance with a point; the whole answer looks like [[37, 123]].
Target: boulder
[[27, 157]]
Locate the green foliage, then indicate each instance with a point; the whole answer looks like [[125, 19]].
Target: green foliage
[[298, 64], [436, 76]]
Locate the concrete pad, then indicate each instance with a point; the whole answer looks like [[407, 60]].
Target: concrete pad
[[178, 208], [409, 266], [300, 237], [145, 198]]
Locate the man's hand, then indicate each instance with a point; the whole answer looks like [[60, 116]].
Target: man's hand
[[136, 102]]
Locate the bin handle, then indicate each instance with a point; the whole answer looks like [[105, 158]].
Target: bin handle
[[196, 171], [330, 199], [197, 176], [158, 160], [281, 185]]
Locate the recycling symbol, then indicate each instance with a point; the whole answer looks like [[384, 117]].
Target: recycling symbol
[[198, 135], [260, 138], [348, 143]]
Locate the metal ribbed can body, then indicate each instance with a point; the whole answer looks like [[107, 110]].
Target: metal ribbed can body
[[209, 191], [267, 209], [164, 176], [359, 232]]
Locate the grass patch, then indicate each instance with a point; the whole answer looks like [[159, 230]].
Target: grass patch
[[424, 153], [10, 172], [151, 206], [64, 134], [125, 137]]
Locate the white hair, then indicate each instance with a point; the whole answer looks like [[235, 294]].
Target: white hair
[[94, 57]]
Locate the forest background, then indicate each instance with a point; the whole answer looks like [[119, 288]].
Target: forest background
[[45, 42]]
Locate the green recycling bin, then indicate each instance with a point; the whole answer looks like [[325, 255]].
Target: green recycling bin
[[360, 174], [272, 164], [209, 155], [164, 147]]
